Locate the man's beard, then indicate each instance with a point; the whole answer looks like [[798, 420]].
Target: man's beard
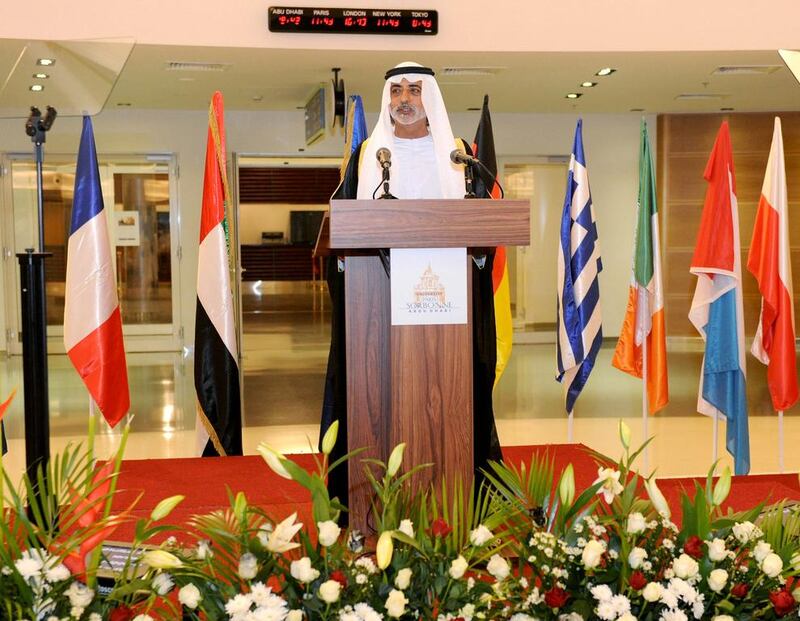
[[407, 114]]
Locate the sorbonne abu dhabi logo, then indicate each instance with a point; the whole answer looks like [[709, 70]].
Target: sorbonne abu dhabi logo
[[429, 295]]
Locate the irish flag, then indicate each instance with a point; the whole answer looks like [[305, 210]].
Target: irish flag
[[769, 262], [643, 326]]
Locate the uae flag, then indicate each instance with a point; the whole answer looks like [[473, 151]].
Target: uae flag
[[483, 147], [216, 369], [643, 326], [769, 262]]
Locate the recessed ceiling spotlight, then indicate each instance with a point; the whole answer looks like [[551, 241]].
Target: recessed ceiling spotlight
[[588, 84], [605, 71], [40, 76], [186, 79], [573, 95], [46, 62], [258, 98], [36, 88]]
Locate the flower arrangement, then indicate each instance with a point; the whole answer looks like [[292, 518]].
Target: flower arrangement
[[526, 545]]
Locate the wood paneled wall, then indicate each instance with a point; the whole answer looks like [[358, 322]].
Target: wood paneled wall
[[684, 145]]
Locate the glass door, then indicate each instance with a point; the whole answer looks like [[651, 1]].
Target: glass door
[[139, 194]]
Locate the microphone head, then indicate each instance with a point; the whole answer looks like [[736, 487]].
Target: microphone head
[[384, 156], [458, 156]]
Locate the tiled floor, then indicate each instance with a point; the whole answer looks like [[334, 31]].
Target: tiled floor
[[285, 352]]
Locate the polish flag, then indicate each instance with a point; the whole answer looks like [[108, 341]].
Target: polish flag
[[92, 320], [769, 262]]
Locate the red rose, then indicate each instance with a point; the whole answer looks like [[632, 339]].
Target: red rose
[[694, 547], [556, 597], [740, 590], [782, 601], [339, 577], [121, 613], [440, 528], [637, 581]]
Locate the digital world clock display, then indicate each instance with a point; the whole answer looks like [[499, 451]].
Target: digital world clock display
[[353, 21]]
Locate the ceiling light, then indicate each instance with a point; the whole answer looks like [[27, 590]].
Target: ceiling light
[[124, 104], [588, 84], [726, 109], [473, 109], [36, 88], [605, 71], [175, 65], [637, 109], [40, 76], [699, 96], [485, 71], [573, 95], [46, 62], [745, 69]]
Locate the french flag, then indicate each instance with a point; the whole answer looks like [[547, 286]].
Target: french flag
[[92, 320], [769, 262], [717, 309]]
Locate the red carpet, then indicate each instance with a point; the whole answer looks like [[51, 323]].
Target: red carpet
[[205, 483]]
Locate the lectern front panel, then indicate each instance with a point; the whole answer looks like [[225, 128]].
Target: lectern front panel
[[367, 326]]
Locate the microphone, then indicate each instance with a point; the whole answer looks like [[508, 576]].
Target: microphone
[[457, 156], [384, 157]]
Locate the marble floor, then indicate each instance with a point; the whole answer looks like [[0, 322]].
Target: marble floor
[[286, 335]]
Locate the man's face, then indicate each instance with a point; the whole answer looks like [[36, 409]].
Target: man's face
[[406, 102]]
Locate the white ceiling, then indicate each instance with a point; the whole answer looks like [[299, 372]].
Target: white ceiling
[[268, 79]]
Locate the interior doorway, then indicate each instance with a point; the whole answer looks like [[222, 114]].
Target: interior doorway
[[284, 311]]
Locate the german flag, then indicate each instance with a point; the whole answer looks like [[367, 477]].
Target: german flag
[[486, 185]]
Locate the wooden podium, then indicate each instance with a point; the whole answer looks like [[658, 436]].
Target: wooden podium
[[410, 384]]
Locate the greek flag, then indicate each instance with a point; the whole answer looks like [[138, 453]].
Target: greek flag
[[579, 324]]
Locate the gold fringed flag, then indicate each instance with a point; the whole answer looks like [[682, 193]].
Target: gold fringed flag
[[644, 318]]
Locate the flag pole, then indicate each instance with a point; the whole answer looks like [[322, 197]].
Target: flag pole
[[780, 440], [714, 455], [569, 426], [645, 456], [92, 423]]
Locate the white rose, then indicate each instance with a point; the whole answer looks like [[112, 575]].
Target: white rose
[[303, 571], [295, 615], [248, 566], [467, 611], [592, 553], [189, 596], [722, 618], [79, 595], [636, 523], [143, 618], [396, 603], [403, 579], [717, 580], [498, 567], [626, 617], [407, 528], [761, 551], [458, 567], [163, 583], [652, 592], [636, 557], [329, 532], [744, 531], [685, 567], [480, 536], [716, 550], [772, 565], [329, 591]]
